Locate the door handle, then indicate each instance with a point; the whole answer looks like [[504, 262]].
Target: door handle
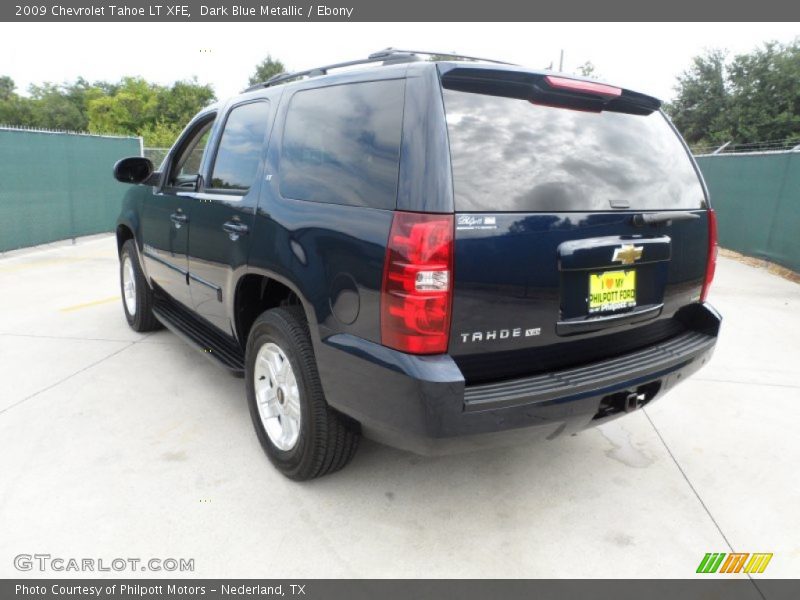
[[178, 219], [235, 229]]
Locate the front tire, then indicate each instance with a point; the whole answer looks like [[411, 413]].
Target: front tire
[[137, 297], [302, 436]]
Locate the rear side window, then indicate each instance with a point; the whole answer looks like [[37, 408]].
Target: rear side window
[[240, 147], [510, 155], [341, 144]]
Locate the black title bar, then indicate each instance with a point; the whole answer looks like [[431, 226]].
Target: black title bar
[[399, 589], [394, 10]]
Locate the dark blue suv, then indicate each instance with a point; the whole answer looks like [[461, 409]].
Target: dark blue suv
[[433, 254]]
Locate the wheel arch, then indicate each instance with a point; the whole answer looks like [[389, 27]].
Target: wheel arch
[[124, 232], [259, 290], [127, 230]]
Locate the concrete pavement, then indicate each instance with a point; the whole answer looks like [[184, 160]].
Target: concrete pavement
[[116, 444]]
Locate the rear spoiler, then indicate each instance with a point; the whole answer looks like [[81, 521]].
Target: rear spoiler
[[547, 88]]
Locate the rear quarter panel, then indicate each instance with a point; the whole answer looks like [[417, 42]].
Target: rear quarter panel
[[332, 254]]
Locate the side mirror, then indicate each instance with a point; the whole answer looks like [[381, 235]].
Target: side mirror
[[136, 169]]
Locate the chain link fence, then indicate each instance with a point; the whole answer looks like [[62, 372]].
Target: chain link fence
[[156, 155], [757, 199], [755, 189], [790, 144]]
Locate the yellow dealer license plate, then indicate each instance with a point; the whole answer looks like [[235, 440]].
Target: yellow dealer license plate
[[612, 290]]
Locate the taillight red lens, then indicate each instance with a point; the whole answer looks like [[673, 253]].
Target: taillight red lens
[[417, 283], [588, 87], [711, 260]]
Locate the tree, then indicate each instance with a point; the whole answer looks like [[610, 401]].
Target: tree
[[58, 106], [158, 113], [160, 134], [62, 106], [179, 103], [135, 104], [132, 106], [13, 109], [699, 110], [266, 69], [765, 93], [753, 97], [7, 88]]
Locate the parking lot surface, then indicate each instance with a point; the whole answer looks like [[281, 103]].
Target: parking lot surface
[[116, 444]]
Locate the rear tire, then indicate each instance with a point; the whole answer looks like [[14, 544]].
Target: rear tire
[[137, 297], [281, 373]]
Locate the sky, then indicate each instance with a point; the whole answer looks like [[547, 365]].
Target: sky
[[646, 57]]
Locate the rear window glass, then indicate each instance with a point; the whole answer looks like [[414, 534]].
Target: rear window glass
[[341, 144], [511, 155], [240, 147]]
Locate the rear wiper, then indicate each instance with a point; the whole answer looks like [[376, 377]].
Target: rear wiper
[[660, 218]]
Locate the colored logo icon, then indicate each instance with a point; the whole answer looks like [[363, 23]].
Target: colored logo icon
[[735, 562]]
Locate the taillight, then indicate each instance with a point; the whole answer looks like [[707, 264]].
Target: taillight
[[711, 260], [417, 283], [587, 87]]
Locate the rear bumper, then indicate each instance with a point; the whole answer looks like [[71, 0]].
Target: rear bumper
[[421, 403]]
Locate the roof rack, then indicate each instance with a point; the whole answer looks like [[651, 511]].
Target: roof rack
[[388, 56], [390, 51]]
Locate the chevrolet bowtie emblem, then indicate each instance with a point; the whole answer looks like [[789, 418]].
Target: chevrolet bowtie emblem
[[627, 254]]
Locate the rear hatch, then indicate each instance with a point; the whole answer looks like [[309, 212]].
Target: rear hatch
[[581, 222]]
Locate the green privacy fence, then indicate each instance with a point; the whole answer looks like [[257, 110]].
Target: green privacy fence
[[56, 186], [757, 199]]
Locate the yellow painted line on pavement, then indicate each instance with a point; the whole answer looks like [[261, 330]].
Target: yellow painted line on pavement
[[49, 262], [90, 304]]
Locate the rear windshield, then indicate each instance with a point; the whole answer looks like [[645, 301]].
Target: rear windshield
[[512, 155]]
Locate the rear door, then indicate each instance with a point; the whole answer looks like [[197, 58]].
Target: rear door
[[581, 225]]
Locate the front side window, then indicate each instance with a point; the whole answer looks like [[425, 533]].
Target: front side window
[[341, 144], [186, 165], [240, 147]]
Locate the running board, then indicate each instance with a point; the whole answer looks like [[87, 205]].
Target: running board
[[196, 332]]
